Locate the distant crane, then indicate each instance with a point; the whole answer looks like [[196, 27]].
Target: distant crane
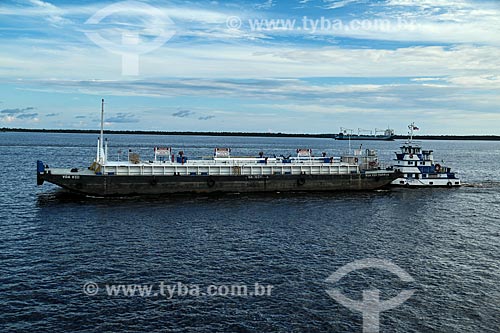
[[346, 130]]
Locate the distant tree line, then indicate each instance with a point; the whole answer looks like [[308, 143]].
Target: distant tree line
[[255, 134]]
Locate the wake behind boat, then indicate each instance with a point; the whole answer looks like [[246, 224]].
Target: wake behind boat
[[168, 173]]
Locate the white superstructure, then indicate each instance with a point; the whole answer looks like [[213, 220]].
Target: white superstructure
[[165, 163], [222, 164], [418, 167]]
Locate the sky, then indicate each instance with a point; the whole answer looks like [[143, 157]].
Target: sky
[[295, 66]]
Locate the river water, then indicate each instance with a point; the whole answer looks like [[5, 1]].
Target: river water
[[61, 254]]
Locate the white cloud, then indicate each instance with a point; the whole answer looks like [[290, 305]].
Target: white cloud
[[334, 4], [429, 3], [9, 119], [477, 81], [266, 5], [78, 62], [52, 13], [447, 21], [426, 79], [41, 8]]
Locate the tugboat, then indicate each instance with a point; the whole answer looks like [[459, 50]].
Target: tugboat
[[171, 174], [418, 168]]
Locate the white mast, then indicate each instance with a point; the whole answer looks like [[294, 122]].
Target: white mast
[[411, 127], [101, 141], [106, 150], [98, 152], [347, 131]]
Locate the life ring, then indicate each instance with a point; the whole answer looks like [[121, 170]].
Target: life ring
[[437, 167], [211, 182], [356, 160], [411, 155], [301, 181], [449, 184]]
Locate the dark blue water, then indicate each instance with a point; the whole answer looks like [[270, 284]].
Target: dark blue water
[[52, 244]]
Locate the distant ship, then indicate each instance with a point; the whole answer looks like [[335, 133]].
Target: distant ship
[[168, 173], [418, 168], [347, 134]]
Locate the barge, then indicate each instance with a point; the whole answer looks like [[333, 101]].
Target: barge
[[168, 173]]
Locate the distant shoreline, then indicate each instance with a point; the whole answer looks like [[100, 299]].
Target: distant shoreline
[[249, 134]]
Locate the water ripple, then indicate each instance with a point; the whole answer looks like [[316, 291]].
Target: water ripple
[[53, 243]]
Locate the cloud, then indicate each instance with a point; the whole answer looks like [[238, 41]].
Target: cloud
[[206, 117], [235, 61], [52, 13], [27, 116], [426, 79], [463, 94], [183, 113], [11, 115], [266, 5], [334, 4], [8, 119], [122, 118], [202, 38], [81, 117], [369, 93], [12, 112], [429, 3], [51, 114]]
